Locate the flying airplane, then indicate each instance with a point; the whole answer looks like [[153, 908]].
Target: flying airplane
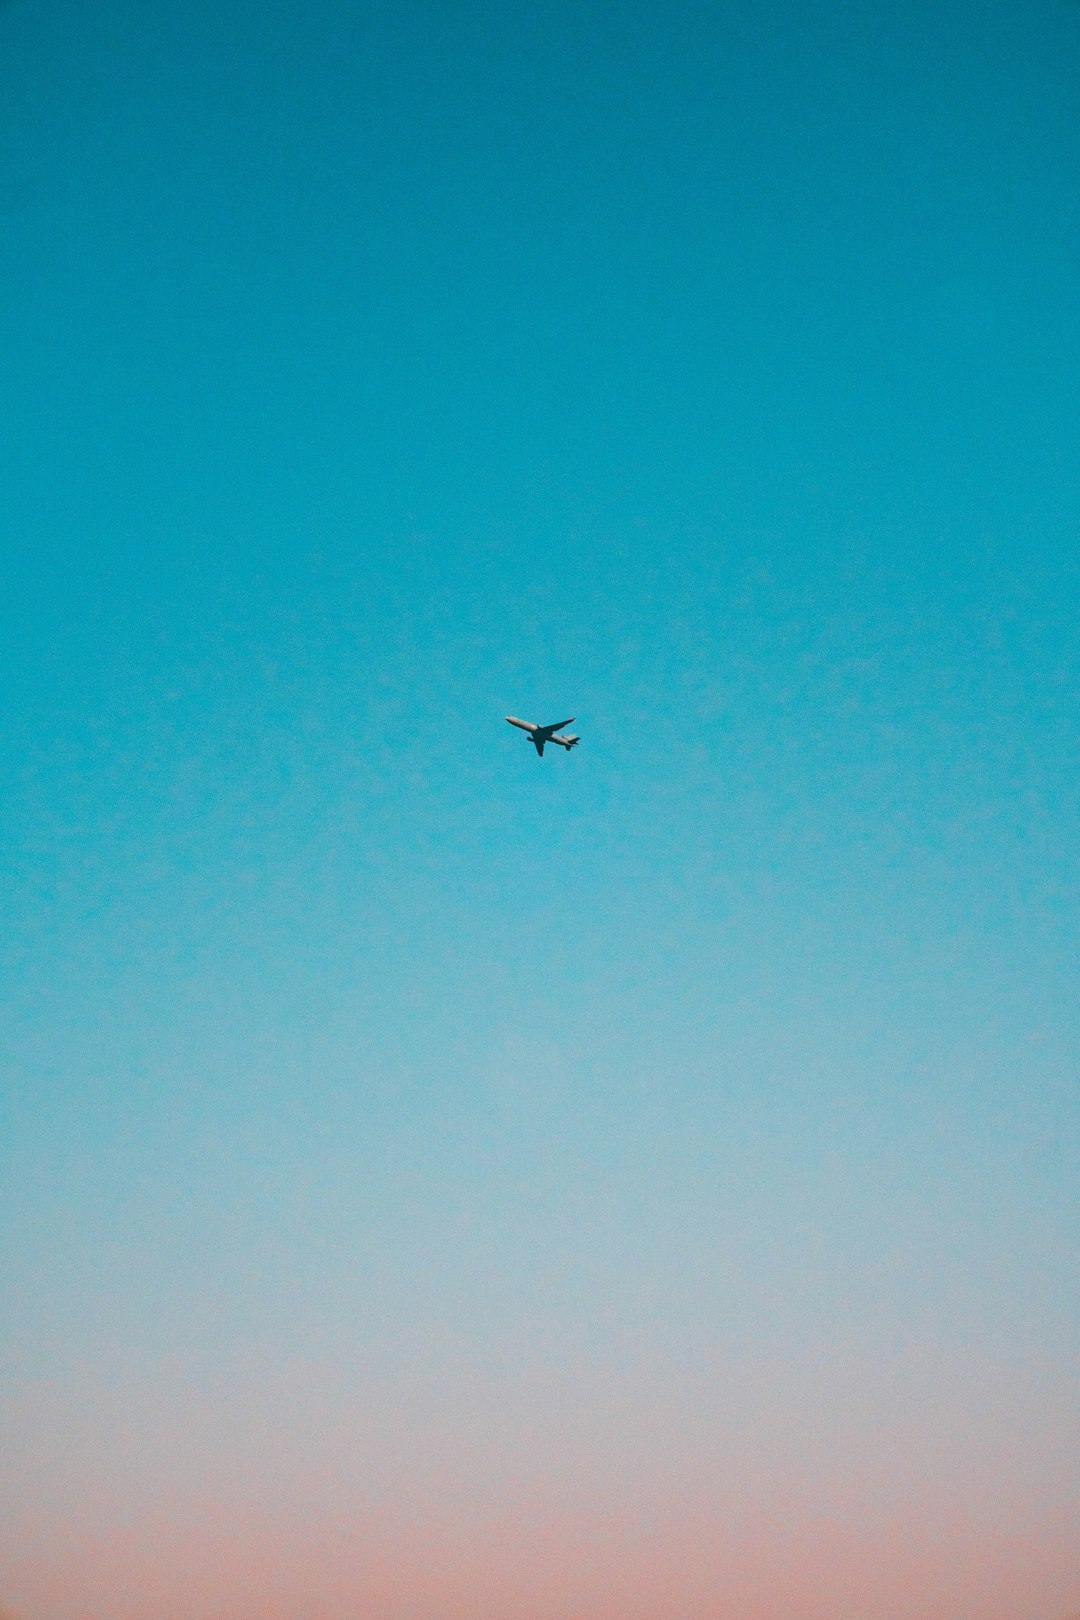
[[539, 735]]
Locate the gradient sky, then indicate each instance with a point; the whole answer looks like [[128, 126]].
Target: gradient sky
[[438, 1184]]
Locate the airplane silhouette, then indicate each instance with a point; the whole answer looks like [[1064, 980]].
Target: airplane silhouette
[[539, 735]]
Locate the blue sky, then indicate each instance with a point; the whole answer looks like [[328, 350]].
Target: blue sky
[[372, 372]]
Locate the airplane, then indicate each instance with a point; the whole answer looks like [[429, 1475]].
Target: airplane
[[539, 735]]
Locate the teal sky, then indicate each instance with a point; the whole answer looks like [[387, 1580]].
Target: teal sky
[[435, 1182]]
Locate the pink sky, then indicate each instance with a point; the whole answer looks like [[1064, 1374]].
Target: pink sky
[[211, 1559]]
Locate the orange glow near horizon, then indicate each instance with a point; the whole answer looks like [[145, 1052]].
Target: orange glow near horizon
[[536, 1565]]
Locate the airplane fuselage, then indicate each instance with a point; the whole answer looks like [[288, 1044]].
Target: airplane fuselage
[[539, 735]]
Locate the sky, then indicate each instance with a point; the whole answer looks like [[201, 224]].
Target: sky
[[442, 1184]]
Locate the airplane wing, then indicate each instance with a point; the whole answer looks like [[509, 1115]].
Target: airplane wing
[[558, 726], [538, 744]]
